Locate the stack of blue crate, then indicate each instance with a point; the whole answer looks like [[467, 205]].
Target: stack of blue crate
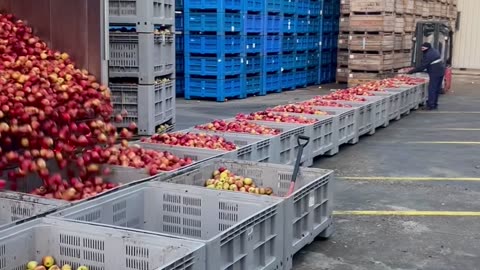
[[214, 59], [142, 62], [179, 49], [330, 24], [272, 49], [253, 51]]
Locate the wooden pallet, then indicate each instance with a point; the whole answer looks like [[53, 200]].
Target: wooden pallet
[[372, 23], [369, 61], [398, 42], [345, 7], [342, 75], [343, 42], [344, 24], [399, 24], [372, 6], [409, 23], [342, 57], [402, 59]]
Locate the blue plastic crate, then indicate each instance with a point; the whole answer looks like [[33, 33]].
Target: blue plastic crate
[[303, 7], [219, 89], [334, 43], [272, 83], [289, 6], [253, 85], [326, 57], [254, 5], [179, 63], [272, 63], [327, 26], [327, 41], [219, 5], [314, 25], [328, 9], [316, 7], [254, 44], [336, 25], [288, 80], [313, 42], [179, 5], [273, 24], [273, 6], [334, 54], [253, 64], [302, 24], [214, 66], [301, 60], [288, 61], [289, 25], [213, 44], [179, 22], [179, 43], [326, 74], [213, 22], [312, 76], [253, 23], [180, 86], [301, 78], [302, 43], [289, 43], [273, 44], [313, 59]]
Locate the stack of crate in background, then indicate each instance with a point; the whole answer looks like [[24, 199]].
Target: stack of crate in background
[[329, 42], [375, 39], [179, 49], [272, 33], [142, 62]]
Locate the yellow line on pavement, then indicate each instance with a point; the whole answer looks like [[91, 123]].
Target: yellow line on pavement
[[409, 213], [443, 142], [377, 178]]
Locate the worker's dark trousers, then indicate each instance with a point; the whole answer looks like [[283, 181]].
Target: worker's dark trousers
[[434, 90]]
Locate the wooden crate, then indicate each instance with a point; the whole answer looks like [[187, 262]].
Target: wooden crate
[[418, 4], [372, 23], [368, 6], [345, 7], [452, 12], [342, 75], [358, 78], [380, 42], [370, 61], [427, 8], [344, 24], [399, 24], [399, 6], [398, 42], [342, 58], [409, 23], [407, 41], [444, 11], [437, 9], [343, 41], [409, 6], [402, 59]]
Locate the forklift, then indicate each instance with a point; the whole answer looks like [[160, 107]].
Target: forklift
[[440, 35]]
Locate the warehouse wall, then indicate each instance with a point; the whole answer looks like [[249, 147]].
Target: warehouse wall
[[466, 51], [73, 26]]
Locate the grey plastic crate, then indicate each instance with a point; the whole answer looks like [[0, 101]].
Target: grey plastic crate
[[239, 231], [196, 154], [380, 104], [365, 116], [147, 105], [252, 148], [308, 211], [347, 123], [393, 103], [96, 247], [144, 14], [142, 56], [16, 206], [283, 146], [407, 96]]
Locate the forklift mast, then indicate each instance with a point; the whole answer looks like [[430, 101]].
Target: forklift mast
[[439, 34]]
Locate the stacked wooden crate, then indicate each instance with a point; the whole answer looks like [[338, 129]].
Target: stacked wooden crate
[[375, 39]]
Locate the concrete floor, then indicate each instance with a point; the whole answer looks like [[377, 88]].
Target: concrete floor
[[444, 144]]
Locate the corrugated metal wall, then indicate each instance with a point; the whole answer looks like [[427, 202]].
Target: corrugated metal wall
[[466, 50]]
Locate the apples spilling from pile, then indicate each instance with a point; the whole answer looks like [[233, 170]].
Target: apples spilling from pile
[[276, 117], [223, 179], [344, 95], [48, 263], [297, 108], [238, 126], [318, 101], [198, 140]]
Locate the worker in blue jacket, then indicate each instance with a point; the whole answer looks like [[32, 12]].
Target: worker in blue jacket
[[433, 63]]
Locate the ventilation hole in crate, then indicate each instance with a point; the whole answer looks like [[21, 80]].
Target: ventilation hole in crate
[[172, 229], [70, 240], [69, 252], [193, 157], [137, 264], [136, 251], [192, 201], [20, 212], [222, 227], [197, 233], [245, 151], [171, 208], [191, 211], [232, 217], [93, 244], [93, 216], [120, 206], [3, 259], [172, 219], [119, 217], [228, 206], [93, 256]]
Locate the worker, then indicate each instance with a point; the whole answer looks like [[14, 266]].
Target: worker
[[433, 63]]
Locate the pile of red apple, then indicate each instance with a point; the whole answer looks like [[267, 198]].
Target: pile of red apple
[[319, 101], [199, 140], [238, 126], [344, 95], [223, 179], [276, 117], [297, 108], [50, 112], [48, 263]]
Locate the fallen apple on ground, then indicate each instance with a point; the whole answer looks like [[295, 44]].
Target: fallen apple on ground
[[239, 126], [223, 179]]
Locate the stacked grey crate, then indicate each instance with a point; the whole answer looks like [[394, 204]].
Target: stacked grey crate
[[142, 62]]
